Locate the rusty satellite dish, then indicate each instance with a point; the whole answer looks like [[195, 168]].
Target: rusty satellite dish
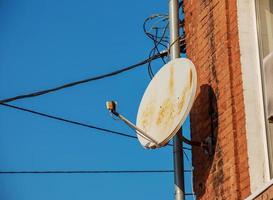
[[166, 102]]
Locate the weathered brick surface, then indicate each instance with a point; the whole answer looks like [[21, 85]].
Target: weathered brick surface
[[211, 28]]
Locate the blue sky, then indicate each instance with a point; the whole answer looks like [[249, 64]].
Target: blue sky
[[48, 43]]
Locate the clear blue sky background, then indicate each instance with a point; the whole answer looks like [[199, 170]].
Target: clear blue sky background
[[47, 43]]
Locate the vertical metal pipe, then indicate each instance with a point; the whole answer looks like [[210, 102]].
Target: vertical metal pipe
[[174, 29], [178, 161], [177, 141]]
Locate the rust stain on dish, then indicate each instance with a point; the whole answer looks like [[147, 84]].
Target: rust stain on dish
[[166, 112], [171, 107], [185, 91], [147, 115], [171, 81]]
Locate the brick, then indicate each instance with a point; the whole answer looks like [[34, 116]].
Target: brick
[[211, 28]]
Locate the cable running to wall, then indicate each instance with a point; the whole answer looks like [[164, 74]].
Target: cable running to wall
[[72, 84], [75, 122]]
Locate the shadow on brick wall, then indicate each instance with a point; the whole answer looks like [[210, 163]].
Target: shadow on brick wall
[[204, 124]]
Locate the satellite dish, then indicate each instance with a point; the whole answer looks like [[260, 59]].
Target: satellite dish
[[167, 102]]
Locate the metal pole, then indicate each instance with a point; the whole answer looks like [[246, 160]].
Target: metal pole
[[177, 141], [178, 162]]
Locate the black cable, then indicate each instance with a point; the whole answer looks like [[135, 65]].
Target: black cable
[[150, 35], [74, 122], [150, 70], [156, 49], [189, 194], [157, 43], [155, 37], [93, 172], [68, 121], [42, 92], [180, 4], [87, 171], [191, 142]]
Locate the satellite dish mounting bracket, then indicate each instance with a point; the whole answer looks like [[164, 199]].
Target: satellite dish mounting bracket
[[207, 145]]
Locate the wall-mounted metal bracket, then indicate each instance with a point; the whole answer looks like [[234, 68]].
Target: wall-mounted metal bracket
[[207, 145]]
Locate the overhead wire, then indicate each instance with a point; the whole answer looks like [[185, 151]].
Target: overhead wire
[[153, 34], [68, 121], [161, 40], [35, 172], [156, 49], [87, 171], [72, 84], [75, 122], [163, 17]]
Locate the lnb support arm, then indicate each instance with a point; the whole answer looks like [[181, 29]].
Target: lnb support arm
[[111, 106]]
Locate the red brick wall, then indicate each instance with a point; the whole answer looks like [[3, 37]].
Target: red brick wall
[[212, 44]]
